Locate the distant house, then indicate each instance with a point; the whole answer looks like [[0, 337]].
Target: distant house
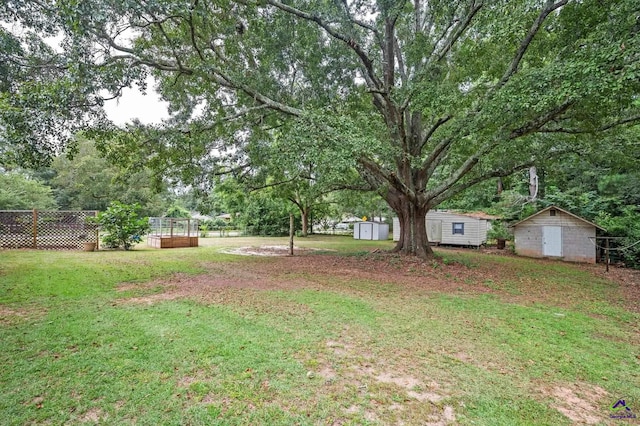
[[224, 216], [201, 217], [453, 228], [556, 233]]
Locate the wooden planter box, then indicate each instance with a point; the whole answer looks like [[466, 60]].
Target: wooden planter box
[[171, 242], [169, 232]]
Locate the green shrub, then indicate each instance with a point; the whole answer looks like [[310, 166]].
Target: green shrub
[[626, 226], [499, 231], [121, 225]]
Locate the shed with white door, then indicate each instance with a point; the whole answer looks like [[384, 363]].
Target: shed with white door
[[370, 231], [556, 233]]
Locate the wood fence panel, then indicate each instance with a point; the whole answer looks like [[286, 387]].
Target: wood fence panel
[[47, 230]]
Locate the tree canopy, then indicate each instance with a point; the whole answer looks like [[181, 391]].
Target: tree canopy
[[19, 192], [89, 182], [423, 98]]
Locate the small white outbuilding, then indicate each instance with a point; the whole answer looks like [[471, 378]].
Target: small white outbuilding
[[453, 228], [370, 231]]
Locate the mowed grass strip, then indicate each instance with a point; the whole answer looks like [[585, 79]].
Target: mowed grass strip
[[85, 339]]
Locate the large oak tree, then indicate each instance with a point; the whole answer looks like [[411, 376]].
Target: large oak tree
[[425, 98]]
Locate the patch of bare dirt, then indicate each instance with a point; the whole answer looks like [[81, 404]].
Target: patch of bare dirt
[[195, 377], [277, 250], [346, 365], [628, 280], [10, 316], [274, 270], [93, 415], [579, 402]]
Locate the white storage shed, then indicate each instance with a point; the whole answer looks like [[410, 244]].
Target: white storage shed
[[556, 233], [370, 231], [453, 228]]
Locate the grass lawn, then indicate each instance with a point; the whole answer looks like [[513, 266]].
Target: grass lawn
[[340, 335]]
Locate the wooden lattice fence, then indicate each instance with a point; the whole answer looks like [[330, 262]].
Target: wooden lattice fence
[[47, 230]]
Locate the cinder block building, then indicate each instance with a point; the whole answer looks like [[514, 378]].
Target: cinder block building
[[556, 233]]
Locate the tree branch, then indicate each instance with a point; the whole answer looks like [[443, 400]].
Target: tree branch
[[549, 7], [218, 76], [473, 160], [387, 176], [459, 30], [401, 67], [359, 23], [271, 185], [534, 125], [457, 189], [504, 172], [629, 120], [436, 156], [432, 130], [192, 32], [364, 58], [465, 168]]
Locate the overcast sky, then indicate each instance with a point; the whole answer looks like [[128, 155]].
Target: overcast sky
[[133, 104]]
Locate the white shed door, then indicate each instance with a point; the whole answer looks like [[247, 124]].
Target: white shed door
[[552, 241], [434, 231], [366, 231]]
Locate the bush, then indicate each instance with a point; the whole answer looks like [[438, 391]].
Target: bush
[[626, 226], [204, 230], [215, 224], [499, 231], [122, 226]]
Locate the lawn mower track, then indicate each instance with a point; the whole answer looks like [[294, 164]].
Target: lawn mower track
[[345, 363]]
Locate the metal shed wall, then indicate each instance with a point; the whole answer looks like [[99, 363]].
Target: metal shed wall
[[370, 231]]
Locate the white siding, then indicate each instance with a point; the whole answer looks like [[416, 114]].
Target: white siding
[[475, 230]]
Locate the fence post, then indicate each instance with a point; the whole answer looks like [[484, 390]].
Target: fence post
[[35, 228], [606, 245], [97, 232], [292, 230]]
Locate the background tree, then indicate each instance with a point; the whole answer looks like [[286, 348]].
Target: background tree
[[176, 210], [20, 192], [303, 178], [265, 214], [89, 182], [425, 98], [47, 94], [360, 204]]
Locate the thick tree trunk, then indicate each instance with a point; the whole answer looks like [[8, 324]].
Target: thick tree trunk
[[413, 228], [304, 213]]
